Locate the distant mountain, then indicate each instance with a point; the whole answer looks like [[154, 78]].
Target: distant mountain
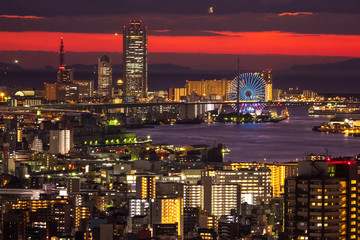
[[8, 66], [118, 68], [348, 65]]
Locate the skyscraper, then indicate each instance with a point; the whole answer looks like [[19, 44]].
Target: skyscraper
[[104, 76], [267, 75], [65, 89], [135, 61], [64, 74]]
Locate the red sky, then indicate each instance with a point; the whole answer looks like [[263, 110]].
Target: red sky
[[271, 42]]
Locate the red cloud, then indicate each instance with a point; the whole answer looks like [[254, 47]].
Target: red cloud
[[23, 17], [295, 13], [257, 43]]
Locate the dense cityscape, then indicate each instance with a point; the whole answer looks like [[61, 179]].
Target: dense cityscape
[[216, 159]]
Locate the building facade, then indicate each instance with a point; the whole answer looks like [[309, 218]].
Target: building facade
[[60, 141], [322, 201], [135, 72], [104, 76], [216, 89], [267, 75]]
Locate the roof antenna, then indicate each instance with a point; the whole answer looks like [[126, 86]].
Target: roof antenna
[[62, 61]]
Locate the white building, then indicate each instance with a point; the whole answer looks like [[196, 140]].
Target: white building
[[37, 144], [60, 141]]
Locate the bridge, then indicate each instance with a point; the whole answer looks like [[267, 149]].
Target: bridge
[[181, 109]]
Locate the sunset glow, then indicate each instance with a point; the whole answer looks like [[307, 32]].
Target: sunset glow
[[271, 42]]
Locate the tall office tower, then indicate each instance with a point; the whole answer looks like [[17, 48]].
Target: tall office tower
[[267, 75], [322, 201], [104, 76], [60, 141], [64, 74], [135, 61], [146, 187]]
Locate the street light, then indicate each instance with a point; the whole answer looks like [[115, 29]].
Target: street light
[[2, 96]]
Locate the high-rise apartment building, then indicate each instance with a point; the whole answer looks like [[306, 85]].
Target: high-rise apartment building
[[193, 195], [322, 201], [168, 211], [104, 76], [135, 61], [146, 187], [267, 75], [138, 207], [279, 172], [60, 141], [224, 199], [255, 183]]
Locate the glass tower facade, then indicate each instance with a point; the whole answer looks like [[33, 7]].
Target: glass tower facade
[[135, 61]]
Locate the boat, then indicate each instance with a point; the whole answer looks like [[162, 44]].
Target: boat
[[331, 109]]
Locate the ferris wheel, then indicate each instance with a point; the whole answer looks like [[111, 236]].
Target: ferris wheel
[[251, 91]]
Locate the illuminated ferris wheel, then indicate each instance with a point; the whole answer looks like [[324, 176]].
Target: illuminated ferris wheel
[[249, 90]]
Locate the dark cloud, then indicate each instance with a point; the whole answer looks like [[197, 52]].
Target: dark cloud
[[166, 24], [50, 8]]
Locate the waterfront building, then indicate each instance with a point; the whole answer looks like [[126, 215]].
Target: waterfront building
[[322, 201], [176, 94], [309, 95], [104, 76], [61, 141], [267, 75], [135, 72], [216, 89]]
